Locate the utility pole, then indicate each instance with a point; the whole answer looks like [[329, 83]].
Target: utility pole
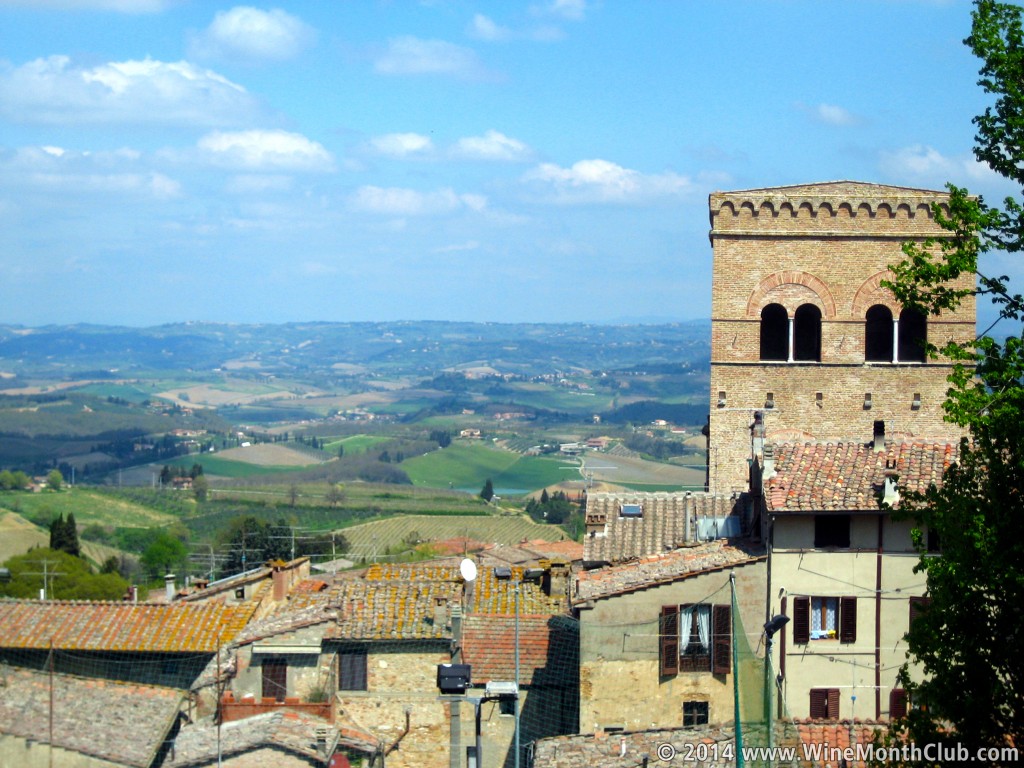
[[46, 574]]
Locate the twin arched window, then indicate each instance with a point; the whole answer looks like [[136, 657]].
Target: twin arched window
[[798, 339], [789, 340], [894, 341]]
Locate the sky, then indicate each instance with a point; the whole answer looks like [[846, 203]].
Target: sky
[[542, 161]]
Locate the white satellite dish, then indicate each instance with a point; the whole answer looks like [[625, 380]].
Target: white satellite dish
[[468, 569]]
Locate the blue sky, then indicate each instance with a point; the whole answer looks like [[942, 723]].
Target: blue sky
[[171, 160]]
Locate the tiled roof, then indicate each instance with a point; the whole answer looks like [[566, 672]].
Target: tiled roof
[[629, 748], [399, 602], [142, 627], [90, 716], [659, 569], [612, 538], [849, 476], [291, 731], [548, 648], [531, 552]]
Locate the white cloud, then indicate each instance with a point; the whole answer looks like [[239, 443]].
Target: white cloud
[[573, 10], [255, 35], [52, 90], [829, 114], [601, 181], [399, 201], [402, 144], [265, 149], [492, 146], [926, 165], [155, 185], [483, 28], [121, 6], [415, 56]]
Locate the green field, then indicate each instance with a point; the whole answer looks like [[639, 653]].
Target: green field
[[214, 465], [87, 505], [355, 444], [467, 465]]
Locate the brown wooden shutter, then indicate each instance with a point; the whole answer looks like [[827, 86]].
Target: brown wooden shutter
[[819, 703], [833, 704], [917, 606], [721, 645], [897, 704], [669, 639], [275, 679], [847, 619], [801, 619]]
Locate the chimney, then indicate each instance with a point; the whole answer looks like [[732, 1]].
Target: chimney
[[169, 586], [768, 469], [280, 584], [878, 443], [440, 611]]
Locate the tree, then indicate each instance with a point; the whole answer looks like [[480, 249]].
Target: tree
[[54, 480], [200, 487], [165, 554], [64, 535], [487, 492], [66, 578], [966, 641]]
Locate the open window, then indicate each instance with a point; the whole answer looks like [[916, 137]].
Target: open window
[[824, 618], [831, 531], [695, 638], [807, 333], [774, 333], [913, 335], [878, 335]]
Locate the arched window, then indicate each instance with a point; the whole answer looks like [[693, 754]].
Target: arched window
[[913, 335], [807, 333], [878, 335], [774, 333]]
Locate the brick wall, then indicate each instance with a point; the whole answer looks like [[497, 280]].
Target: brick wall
[[830, 246]]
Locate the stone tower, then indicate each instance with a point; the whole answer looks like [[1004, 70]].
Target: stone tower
[[805, 342]]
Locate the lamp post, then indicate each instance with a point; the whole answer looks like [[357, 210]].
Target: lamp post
[[772, 626]]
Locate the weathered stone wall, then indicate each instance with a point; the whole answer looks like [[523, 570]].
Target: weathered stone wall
[[620, 681]]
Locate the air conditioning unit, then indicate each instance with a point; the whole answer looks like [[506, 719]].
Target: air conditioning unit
[[502, 690]]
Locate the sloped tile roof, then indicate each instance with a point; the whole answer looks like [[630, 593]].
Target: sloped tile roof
[[660, 569], [291, 731], [661, 528], [90, 716], [548, 648], [102, 626], [812, 477]]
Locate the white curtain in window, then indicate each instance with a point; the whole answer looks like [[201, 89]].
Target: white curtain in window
[[685, 628], [830, 613], [704, 627], [815, 615]]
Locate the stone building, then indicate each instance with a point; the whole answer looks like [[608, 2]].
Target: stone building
[[806, 344]]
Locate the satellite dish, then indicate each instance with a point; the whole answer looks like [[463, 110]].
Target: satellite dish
[[468, 569]]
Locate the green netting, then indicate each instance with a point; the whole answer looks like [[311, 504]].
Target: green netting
[[757, 702]]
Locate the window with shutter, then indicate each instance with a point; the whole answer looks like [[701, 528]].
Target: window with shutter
[[695, 638], [824, 703], [669, 639], [917, 606], [275, 679], [897, 704], [352, 670], [801, 619], [721, 655], [848, 620]]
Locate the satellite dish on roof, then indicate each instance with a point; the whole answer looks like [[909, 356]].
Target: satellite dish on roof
[[468, 569]]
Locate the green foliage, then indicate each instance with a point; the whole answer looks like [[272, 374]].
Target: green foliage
[[54, 480], [487, 492], [554, 509], [164, 554], [64, 535], [967, 641], [68, 578], [13, 481]]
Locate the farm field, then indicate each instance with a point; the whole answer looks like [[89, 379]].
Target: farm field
[[88, 507], [18, 536], [642, 475], [467, 466], [375, 539]]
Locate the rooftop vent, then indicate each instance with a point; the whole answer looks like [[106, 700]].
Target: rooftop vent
[[631, 510]]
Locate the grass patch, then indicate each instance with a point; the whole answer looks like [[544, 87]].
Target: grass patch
[[213, 465], [469, 465], [88, 506]]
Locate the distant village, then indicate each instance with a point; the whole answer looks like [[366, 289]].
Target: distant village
[[785, 582]]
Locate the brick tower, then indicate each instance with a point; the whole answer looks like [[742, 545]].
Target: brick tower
[[805, 342]]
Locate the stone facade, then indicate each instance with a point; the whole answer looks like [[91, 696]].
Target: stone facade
[[826, 248]]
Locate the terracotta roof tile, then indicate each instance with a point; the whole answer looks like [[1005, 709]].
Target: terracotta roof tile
[[90, 716], [141, 627], [548, 648], [613, 538], [850, 476], [659, 569]]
